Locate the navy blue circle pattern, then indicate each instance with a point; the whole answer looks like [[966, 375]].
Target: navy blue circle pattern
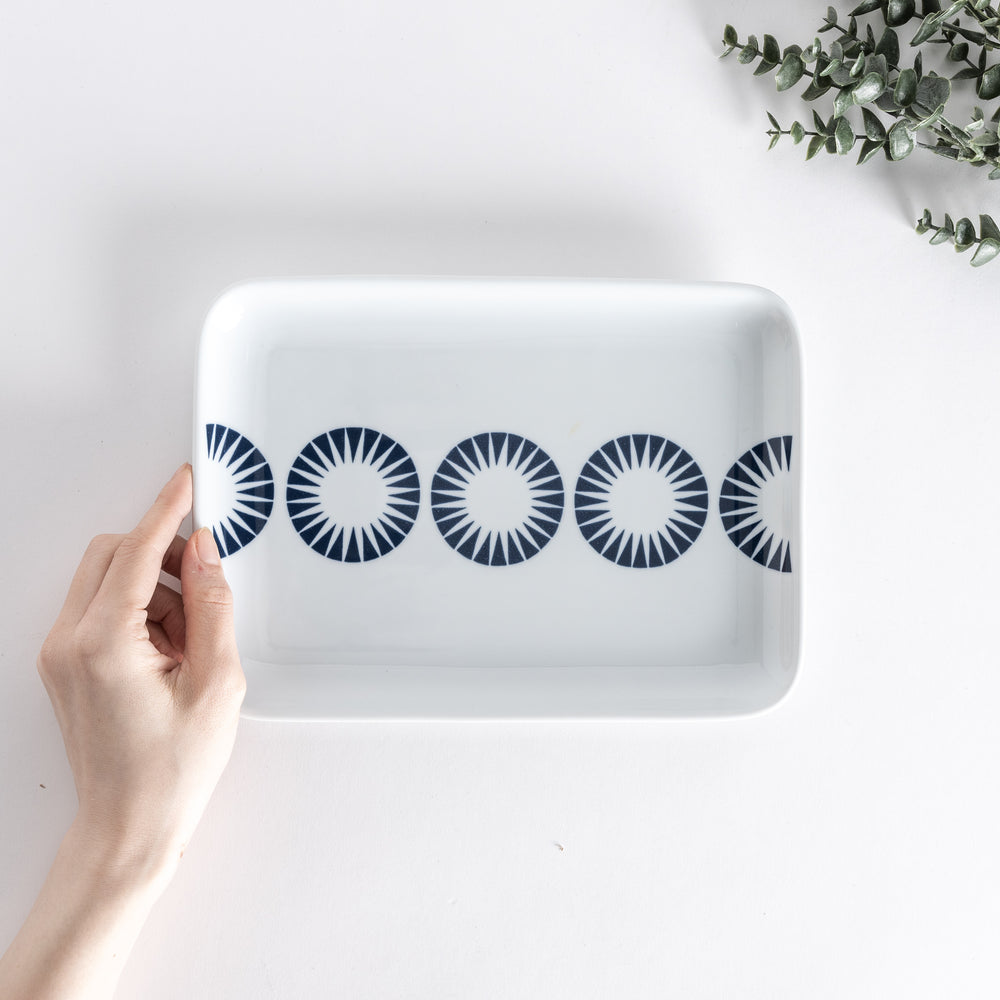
[[520, 532], [677, 523], [382, 528], [739, 507], [253, 488]]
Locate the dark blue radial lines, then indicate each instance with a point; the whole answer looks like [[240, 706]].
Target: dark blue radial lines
[[353, 494], [497, 498], [753, 503], [641, 501], [239, 488]]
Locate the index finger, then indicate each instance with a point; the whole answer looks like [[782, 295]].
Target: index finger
[[135, 569]]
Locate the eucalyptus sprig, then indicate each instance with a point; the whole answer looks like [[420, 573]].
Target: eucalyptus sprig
[[901, 107], [963, 235]]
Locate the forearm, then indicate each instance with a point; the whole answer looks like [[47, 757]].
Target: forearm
[[75, 941]]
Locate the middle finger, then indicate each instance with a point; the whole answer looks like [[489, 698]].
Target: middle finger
[[172, 559], [166, 609]]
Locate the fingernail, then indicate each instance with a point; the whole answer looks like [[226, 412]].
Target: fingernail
[[208, 553]]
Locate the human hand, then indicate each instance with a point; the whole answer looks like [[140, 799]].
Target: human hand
[[146, 684]]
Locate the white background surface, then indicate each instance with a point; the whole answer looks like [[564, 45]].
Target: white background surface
[[844, 844]]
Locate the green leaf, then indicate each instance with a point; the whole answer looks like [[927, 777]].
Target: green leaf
[[888, 46], [994, 174], [859, 66], [792, 68], [797, 132], [925, 221], [970, 35], [900, 141], [959, 135], [771, 49], [906, 88], [966, 74], [989, 83], [977, 119], [843, 101], [750, 51], [928, 27], [943, 149], [818, 124], [985, 139], [933, 91], [948, 133], [774, 141], [945, 233], [729, 36], [930, 119], [844, 136], [965, 234], [874, 128], [773, 121], [988, 228], [841, 75], [830, 21], [958, 51], [868, 149], [899, 12], [985, 252], [869, 89], [816, 143], [764, 67], [878, 64], [814, 90], [865, 7]]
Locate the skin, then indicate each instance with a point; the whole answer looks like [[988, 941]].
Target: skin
[[147, 685]]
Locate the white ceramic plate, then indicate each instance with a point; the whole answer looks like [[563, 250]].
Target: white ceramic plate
[[504, 497]]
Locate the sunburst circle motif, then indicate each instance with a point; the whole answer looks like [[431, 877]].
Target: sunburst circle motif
[[353, 494], [641, 501], [238, 487], [497, 498], [754, 503]]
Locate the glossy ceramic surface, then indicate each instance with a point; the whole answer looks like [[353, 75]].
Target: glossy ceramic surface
[[504, 497]]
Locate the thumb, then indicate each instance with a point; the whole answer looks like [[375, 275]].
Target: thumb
[[210, 637]]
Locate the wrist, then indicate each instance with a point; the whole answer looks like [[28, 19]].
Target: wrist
[[118, 862], [79, 933]]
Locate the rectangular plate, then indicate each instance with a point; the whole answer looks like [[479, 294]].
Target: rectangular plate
[[504, 497]]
